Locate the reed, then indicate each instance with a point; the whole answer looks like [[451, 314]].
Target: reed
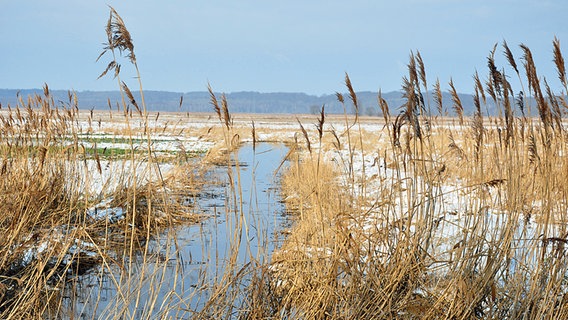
[[69, 210], [393, 254], [420, 219]]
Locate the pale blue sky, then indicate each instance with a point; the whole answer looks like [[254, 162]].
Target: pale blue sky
[[273, 46]]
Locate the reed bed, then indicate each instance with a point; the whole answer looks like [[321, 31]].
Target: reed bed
[[433, 220], [427, 217], [68, 208]]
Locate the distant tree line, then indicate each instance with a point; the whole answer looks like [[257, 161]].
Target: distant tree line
[[240, 102]]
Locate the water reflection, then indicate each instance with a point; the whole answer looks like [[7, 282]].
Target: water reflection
[[177, 277]]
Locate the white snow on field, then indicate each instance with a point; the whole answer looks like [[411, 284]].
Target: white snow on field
[[113, 174], [457, 212], [55, 244]]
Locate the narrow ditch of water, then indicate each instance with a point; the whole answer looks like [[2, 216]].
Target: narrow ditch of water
[[245, 218]]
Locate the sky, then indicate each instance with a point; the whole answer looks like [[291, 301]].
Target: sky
[[274, 46]]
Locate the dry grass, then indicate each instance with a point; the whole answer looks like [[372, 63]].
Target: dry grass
[[52, 181], [426, 218], [457, 222], [50, 234]]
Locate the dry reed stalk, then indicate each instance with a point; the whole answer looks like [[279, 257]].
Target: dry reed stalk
[[337, 143], [253, 132]]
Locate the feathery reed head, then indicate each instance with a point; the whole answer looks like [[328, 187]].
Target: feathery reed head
[[421, 69], [509, 55], [438, 97], [457, 105], [479, 87], [339, 97], [530, 68], [214, 102], [352, 93], [119, 36], [412, 72], [384, 107], [306, 136], [494, 74], [559, 61], [131, 97], [225, 108], [321, 121]]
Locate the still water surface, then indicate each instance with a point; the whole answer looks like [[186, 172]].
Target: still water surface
[[245, 218]]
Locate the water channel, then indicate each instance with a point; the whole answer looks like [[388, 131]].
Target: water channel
[[245, 218]]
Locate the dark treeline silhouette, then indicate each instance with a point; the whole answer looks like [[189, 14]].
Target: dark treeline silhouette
[[241, 102]]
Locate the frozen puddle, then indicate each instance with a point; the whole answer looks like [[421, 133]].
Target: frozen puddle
[[185, 265]]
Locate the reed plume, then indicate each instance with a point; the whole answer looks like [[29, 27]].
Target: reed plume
[[457, 104], [534, 85], [214, 102], [306, 136], [556, 114], [412, 104], [352, 94], [321, 121], [507, 93], [412, 72], [339, 97], [494, 74], [131, 97], [477, 126], [479, 87], [421, 70], [510, 58], [520, 102], [438, 97], [384, 107], [559, 62], [225, 109], [118, 36], [399, 121], [534, 158], [337, 141]]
